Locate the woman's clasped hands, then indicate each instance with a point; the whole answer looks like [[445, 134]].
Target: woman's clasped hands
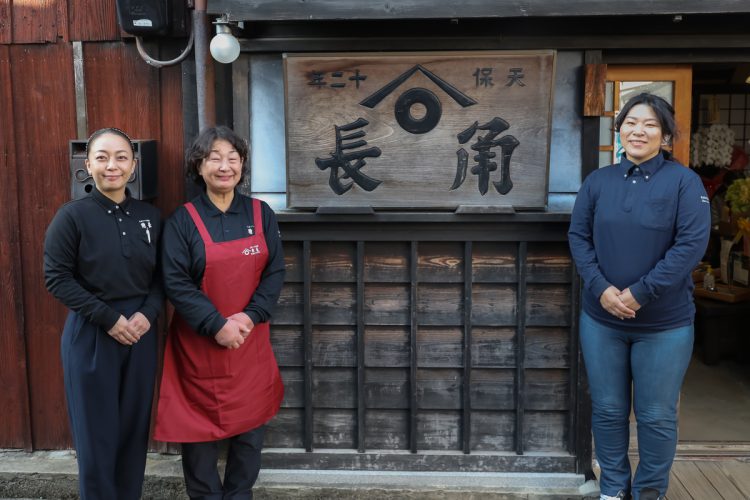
[[234, 332], [128, 331], [620, 304]]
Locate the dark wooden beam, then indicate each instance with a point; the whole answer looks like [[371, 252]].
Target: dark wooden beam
[[573, 417], [594, 90], [307, 335], [468, 278], [520, 382], [590, 125], [413, 402], [530, 42], [430, 461], [361, 417], [279, 10]]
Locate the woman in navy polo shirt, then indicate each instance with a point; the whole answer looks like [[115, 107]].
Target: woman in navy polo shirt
[[637, 230]]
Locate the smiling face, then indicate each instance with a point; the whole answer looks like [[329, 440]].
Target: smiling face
[[641, 134], [222, 168], [110, 163]]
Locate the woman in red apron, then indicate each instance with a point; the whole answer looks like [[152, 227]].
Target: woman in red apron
[[223, 270]]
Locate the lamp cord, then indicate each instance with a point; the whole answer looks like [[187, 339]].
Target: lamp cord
[[160, 64]]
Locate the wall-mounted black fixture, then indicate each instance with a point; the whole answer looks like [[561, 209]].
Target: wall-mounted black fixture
[[154, 18], [144, 17]]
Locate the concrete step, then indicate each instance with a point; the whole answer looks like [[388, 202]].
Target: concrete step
[[52, 475]]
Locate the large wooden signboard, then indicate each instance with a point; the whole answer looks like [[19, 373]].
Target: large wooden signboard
[[418, 130]]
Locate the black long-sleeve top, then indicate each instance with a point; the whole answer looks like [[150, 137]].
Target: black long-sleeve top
[[96, 251], [184, 260]]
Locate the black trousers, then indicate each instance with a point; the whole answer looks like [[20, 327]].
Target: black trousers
[[109, 388], [200, 467]]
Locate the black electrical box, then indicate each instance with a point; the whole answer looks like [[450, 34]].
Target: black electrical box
[[144, 17], [142, 184]]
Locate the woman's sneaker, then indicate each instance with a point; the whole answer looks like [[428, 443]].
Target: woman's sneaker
[[619, 496], [650, 494]]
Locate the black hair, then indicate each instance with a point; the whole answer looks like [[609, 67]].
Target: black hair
[[201, 147], [109, 130], [662, 109]]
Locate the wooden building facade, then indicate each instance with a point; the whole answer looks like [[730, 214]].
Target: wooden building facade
[[66, 70], [416, 339]]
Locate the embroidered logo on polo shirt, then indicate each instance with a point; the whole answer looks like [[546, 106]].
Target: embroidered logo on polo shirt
[[253, 250], [146, 225], [250, 230], [705, 199]]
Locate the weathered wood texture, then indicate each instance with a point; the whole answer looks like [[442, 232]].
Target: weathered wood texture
[[726, 478], [436, 395], [36, 22], [419, 167], [130, 101], [6, 32], [15, 423], [413, 9], [37, 101], [43, 94], [93, 20], [53, 21], [595, 83]]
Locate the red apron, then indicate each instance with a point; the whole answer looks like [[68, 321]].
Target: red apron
[[209, 392]]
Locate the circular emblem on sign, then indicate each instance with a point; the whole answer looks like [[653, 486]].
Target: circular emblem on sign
[[431, 104]]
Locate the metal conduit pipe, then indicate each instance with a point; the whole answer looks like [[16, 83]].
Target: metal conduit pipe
[[205, 92]]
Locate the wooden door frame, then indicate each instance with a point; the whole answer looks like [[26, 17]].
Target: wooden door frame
[[682, 76]]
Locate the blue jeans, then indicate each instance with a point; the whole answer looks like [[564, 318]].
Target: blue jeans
[[653, 364]]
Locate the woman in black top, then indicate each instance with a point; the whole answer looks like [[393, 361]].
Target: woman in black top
[[100, 260], [223, 269]]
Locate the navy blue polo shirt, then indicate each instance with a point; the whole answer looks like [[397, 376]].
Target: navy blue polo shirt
[[643, 227]]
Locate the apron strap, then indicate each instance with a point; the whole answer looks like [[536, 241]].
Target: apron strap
[[257, 217], [198, 222]]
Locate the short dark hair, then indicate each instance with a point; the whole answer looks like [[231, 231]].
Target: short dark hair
[[108, 130], [662, 109], [201, 147]]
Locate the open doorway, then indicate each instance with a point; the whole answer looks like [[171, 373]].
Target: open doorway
[[715, 399]]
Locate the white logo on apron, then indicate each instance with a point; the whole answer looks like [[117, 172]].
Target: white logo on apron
[[253, 250]]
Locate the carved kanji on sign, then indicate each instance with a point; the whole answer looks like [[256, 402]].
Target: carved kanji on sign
[[340, 159], [483, 147]]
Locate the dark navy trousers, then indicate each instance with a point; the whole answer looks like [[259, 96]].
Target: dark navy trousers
[[200, 460], [109, 388]]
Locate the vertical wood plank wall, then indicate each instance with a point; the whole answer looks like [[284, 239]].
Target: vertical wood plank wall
[[15, 431], [37, 103], [432, 345]]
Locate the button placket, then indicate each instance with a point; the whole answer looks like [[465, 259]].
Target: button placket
[[630, 189], [125, 245]]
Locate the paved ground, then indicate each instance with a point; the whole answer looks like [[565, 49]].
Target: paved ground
[[52, 475]]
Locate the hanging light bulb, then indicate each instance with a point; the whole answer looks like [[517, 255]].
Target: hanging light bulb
[[224, 47]]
